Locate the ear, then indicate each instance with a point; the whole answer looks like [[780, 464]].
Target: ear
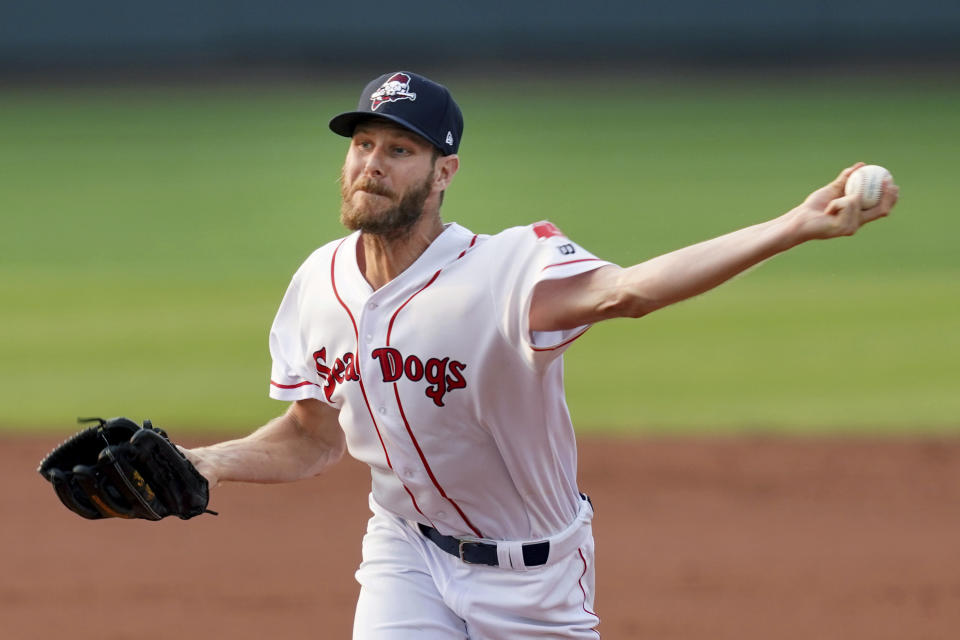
[[446, 168]]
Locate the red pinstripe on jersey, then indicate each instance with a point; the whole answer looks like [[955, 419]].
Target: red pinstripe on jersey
[[396, 391], [406, 302], [469, 246], [356, 335]]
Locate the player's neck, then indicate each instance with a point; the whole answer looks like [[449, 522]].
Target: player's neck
[[383, 258]]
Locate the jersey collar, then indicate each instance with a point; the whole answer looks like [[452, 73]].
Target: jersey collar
[[450, 245]]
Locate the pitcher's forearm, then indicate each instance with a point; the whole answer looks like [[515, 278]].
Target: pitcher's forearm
[[693, 270], [283, 450]]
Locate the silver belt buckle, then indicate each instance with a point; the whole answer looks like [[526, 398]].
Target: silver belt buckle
[[460, 549]]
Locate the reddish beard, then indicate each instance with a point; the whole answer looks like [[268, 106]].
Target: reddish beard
[[393, 222]]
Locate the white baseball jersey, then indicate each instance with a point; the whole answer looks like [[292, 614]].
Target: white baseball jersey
[[442, 389]]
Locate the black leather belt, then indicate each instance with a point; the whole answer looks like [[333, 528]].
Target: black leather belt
[[535, 554]]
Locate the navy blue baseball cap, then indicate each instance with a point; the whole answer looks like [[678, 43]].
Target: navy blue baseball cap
[[413, 102]]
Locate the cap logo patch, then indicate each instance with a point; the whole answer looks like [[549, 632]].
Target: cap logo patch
[[397, 87], [449, 138]]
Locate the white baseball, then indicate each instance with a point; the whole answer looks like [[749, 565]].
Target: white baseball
[[867, 181]]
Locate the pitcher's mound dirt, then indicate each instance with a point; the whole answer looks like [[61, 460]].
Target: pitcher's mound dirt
[[726, 538]]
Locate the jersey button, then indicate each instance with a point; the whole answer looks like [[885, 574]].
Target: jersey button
[[441, 514], [382, 411], [372, 305], [369, 337]]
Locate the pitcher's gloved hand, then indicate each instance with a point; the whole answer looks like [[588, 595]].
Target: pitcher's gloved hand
[[119, 469]]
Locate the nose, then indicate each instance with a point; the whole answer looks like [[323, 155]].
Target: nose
[[373, 164]]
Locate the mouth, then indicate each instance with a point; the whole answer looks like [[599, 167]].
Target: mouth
[[372, 188], [365, 192]]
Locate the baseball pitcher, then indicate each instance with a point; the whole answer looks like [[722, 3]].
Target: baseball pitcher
[[435, 356]]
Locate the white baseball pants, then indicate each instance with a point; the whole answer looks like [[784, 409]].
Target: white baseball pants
[[411, 589]]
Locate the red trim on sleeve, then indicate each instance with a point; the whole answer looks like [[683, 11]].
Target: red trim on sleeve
[[565, 342], [293, 386], [557, 346], [560, 264]]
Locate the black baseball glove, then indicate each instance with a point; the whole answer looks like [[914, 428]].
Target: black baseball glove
[[119, 469]]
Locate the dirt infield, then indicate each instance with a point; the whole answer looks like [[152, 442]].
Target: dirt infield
[[746, 538]]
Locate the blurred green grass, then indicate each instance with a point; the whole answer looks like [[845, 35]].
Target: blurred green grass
[[150, 232]]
